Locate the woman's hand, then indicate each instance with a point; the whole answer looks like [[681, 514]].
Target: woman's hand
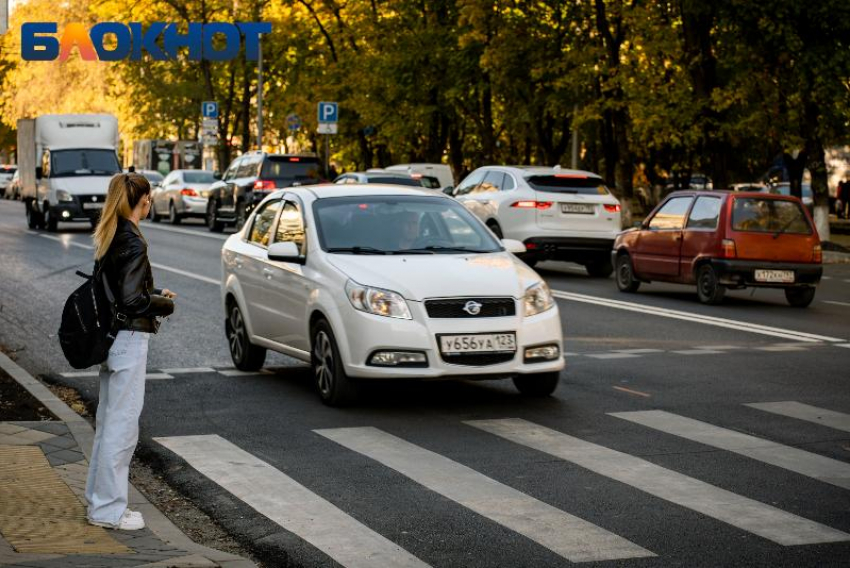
[[168, 293]]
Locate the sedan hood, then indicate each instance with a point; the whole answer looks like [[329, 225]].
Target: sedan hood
[[82, 185], [417, 277]]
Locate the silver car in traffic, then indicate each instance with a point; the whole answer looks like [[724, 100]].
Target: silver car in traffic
[[183, 194]]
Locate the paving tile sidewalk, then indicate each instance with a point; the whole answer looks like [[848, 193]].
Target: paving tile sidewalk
[[43, 467]]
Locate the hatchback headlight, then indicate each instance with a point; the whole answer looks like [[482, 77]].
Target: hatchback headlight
[[63, 195], [377, 301], [537, 299]]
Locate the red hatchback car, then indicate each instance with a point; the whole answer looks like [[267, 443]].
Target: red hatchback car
[[719, 240]]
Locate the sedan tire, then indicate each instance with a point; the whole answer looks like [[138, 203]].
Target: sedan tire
[[538, 384], [246, 356], [173, 215], [334, 386]]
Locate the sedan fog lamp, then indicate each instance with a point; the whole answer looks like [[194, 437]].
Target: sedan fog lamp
[[377, 301], [542, 353], [65, 214], [398, 359], [537, 299]]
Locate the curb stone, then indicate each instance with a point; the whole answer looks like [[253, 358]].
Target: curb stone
[[157, 522]]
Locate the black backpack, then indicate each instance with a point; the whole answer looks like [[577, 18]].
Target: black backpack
[[90, 321]]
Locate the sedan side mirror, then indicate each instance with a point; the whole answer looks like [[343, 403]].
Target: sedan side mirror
[[286, 252], [449, 190], [513, 246]]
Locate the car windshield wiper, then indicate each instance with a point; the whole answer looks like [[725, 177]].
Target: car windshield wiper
[[436, 249], [784, 228], [358, 250]]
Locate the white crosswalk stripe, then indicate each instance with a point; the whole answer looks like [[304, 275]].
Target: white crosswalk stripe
[[749, 515], [793, 459], [793, 409], [567, 535], [289, 504]]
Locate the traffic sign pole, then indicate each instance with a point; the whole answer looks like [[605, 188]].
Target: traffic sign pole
[[328, 115]]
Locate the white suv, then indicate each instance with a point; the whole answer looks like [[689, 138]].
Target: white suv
[[382, 282], [558, 214]]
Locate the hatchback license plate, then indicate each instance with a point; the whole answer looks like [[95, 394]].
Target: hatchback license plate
[[580, 208], [478, 343], [92, 205], [784, 276]]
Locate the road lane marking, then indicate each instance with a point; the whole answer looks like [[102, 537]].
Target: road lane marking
[[66, 240], [697, 351], [238, 373], [286, 502], [836, 303], [792, 459], [843, 345], [86, 374], [695, 317], [611, 355], [749, 515], [784, 348], [630, 391], [569, 536], [188, 370], [638, 351], [206, 235], [800, 411]]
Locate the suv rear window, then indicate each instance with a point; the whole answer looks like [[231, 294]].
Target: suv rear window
[[290, 167], [757, 215], [567, 183]]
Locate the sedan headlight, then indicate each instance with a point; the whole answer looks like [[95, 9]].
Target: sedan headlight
[[377, 301], [63, 195], [537, 299]]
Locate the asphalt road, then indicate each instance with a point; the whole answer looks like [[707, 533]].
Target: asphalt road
[[435, 473]]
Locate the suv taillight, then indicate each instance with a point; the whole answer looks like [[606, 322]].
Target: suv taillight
[[532, 204], [264, 184], [189, 192], [817, 254], [729, 250]]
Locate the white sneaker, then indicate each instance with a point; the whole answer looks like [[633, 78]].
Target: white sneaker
[[129, 521]]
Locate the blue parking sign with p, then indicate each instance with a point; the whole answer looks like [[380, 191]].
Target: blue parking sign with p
[[209, 109], [328, 112]]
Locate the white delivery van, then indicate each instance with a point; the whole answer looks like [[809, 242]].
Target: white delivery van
[[441, 172], [66, 162]]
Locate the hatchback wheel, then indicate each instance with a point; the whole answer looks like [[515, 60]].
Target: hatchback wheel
[[246, 356], [600, 268], [626, 280], [800, 297], [173, 216], [334, 386], [709, 288], [538, 384]]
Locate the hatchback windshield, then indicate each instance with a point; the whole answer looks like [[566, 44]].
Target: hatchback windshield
[[83, 163], [198, 177], [568, 183], [757, 215], [399, 225]]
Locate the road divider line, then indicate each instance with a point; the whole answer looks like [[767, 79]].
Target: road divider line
[[286, 502], [747, 514], [696, 318], [87, 374], [630, 391], [833, 302], [189, 370], [800, 411], [566, 535], [206, 235], [66, 241], [799, 461]]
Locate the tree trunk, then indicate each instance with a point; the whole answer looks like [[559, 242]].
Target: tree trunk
[[820, 190], [795, 167]]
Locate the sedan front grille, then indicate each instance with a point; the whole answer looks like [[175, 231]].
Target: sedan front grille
[[466, 307]]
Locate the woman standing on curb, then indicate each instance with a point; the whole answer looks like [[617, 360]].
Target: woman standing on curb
[[122, 252]]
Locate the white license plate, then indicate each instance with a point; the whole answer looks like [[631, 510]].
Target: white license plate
[[478, 343], [784, 276], [580, 208], [92, 205]]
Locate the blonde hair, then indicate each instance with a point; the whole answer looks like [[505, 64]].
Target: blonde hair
[[125, 192]]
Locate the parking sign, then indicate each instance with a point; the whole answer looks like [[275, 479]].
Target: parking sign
[[328, 112], [209, 109]]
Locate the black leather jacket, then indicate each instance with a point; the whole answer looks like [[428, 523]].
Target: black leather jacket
[[131, 280]]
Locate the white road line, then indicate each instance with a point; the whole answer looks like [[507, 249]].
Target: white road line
[[746, 514], [188, 370], [793, 459], [697, 351], [66, 241], [206, 235], [720, 347], [800, 411], [783, 348], [569, 536], [695, 318], [638, 351], [158, 376], [289, 504], [238, 373], [843, 345], [836, 303], [86, 374], [611, 355]]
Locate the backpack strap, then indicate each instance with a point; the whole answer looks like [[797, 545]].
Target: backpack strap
[[118, 317]]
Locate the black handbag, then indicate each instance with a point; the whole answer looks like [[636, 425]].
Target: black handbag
[[90, 321]]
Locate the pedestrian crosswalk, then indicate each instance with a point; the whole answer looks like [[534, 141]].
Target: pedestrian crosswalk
[[353, 540]]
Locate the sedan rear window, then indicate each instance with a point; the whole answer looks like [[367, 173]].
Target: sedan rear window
[[568, 183], [292, 167], [757, 215], [396, 180]]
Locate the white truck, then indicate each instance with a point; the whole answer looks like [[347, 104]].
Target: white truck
[[65, 163]]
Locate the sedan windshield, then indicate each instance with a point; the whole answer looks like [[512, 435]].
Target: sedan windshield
[[80, 162], [399, 224]]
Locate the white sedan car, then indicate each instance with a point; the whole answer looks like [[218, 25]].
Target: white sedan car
[[382, 282], [558, 214], [182, 194]]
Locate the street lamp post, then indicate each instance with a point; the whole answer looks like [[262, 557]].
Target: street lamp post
[[260, 96]]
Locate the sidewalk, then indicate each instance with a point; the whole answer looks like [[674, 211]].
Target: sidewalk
[[43, 468]]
